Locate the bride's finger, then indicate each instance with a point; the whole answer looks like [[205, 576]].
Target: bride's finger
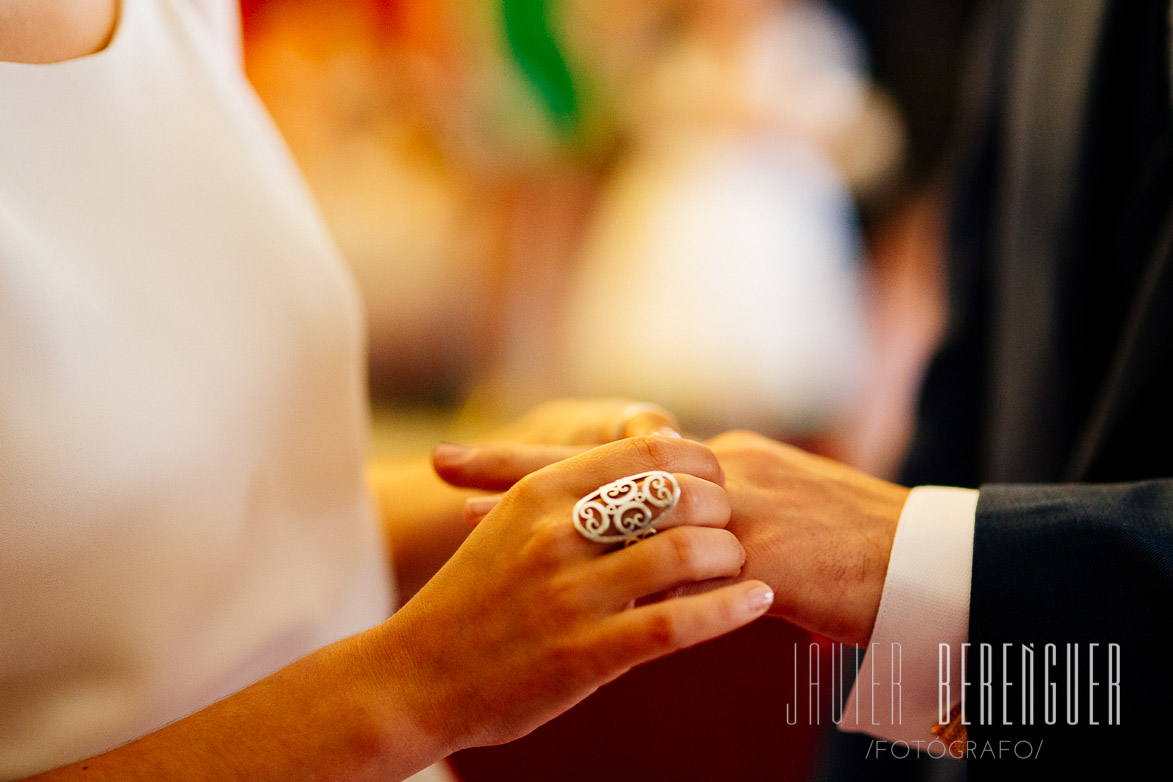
[[495, 466], [701, 503], [603, 464], [665, 561], [498, 466], [647, 632]]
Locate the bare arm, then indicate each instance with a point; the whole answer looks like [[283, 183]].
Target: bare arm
[[335, 714], [525, 620]]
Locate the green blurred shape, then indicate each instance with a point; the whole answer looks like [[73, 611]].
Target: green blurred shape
[[535, 49]]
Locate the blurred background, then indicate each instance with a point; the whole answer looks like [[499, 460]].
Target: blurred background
[[729, 207]]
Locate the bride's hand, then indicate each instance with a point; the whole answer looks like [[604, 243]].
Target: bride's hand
[[529, 617], [424, 517]]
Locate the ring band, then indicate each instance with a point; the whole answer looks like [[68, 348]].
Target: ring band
[[624, 510]]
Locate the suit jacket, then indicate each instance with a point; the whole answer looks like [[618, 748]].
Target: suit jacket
[[1053, 390]]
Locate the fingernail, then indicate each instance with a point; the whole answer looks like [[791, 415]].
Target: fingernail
[[449, 453], [761, 598], [476, 508], [480, 506], [667, 431]]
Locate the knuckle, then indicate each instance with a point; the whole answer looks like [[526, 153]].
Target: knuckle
[[730, 549], [556, 534], [494, 458], [550, 544], [722, 510], [599, 666], [686, 552], [531, 491], [653, 452], [562, 601], [708, 466], [724, 614], [662, 631], [700, 504], [689, 506], [564, 657], [735, 439], [584, 662]]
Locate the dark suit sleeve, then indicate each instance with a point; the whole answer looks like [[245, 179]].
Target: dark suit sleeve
[[1076, 564], [951, 413]]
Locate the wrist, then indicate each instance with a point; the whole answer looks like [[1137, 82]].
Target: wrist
[[405, 723], [882, 517]]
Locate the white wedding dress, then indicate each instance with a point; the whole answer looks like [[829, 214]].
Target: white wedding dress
[[183, 421]]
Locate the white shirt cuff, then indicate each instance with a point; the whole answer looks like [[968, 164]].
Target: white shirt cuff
[[925, 603]]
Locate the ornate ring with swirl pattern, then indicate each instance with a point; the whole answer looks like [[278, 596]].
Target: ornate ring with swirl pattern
[[624, 510]]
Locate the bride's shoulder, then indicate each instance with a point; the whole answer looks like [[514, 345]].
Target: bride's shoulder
[[44, 31]]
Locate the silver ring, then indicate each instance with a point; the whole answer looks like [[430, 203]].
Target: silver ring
[[624, 510]]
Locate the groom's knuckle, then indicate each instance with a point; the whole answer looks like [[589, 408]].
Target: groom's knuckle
[[734, 441]]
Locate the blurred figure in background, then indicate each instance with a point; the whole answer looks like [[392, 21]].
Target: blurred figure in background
[[363, 93], [600, 172], [916, 49], [725, 250]]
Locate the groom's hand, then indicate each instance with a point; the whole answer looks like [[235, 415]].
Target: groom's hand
[[817, 531]]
